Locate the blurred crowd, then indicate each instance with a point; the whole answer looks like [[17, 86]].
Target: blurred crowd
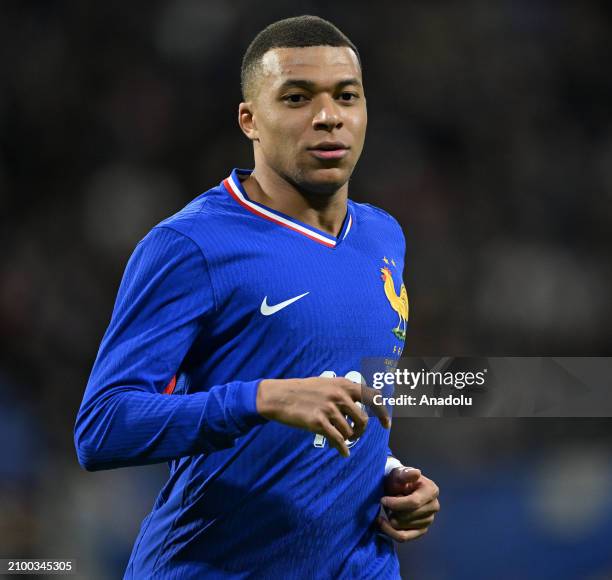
[[489, 139]]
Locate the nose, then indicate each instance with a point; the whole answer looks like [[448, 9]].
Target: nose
[[328, 115]]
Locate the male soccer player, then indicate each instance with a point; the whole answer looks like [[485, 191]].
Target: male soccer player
[[236, 340]]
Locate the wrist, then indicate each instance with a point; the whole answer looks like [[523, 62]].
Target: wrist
[[391, 464], [263, 400]]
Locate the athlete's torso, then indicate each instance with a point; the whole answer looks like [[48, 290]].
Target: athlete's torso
[[280, 502]]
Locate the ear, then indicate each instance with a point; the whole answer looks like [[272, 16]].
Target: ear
[[246, 120]]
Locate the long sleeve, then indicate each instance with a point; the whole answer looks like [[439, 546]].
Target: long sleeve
[[162, 305]]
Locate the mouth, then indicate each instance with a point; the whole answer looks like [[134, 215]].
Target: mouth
[[330, 150]]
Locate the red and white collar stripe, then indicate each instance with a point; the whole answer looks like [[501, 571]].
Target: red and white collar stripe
[[233, 186]]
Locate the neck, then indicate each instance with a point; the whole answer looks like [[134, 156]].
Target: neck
[[324, 212]]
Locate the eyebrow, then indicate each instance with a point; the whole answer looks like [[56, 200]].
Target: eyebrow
[[310, 85]]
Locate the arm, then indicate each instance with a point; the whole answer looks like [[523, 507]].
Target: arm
[[162, 305], [163, 302]]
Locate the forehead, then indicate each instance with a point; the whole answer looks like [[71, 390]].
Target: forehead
[[309, 63]]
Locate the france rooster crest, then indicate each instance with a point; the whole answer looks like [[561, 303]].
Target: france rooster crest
[[399, 303]]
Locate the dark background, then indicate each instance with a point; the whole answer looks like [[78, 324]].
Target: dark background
[[489, 139]]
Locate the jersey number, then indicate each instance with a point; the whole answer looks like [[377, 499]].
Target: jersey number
[[355, 377]]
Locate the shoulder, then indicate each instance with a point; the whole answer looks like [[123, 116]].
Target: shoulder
[[372, 216], [180, 236], [203, 211], [205, 217]]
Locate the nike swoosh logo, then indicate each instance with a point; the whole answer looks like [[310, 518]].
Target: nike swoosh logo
[[267, 310]]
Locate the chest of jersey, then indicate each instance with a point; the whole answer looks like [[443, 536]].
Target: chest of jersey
[[299, 309]]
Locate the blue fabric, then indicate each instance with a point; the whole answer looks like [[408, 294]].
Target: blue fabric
[[245, 496]]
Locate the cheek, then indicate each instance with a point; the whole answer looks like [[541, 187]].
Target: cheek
[[359, 124], [280, 134], [358, 128]]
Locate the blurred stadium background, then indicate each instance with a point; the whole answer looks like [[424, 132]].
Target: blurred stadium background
[[489, 138]]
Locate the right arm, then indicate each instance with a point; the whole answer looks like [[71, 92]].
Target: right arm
[[162, 304], [124, 419]]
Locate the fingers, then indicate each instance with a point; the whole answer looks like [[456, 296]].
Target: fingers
[[399, 524], [429, 509], [367, 395], [423, 515], [411, 503], [427, 492], [400, 535], [361, 393], [341, 404], [358, 416], [344, 398], [336, 406], [405, 475], [402, 481], [337, 419], [335, 438]]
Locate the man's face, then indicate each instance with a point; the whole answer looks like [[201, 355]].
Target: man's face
[[309, 115]]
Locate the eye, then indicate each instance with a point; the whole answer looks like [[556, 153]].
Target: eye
[[295, 98], [346, 96]]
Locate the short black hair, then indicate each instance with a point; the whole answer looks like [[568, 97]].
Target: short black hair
[[296, 32]]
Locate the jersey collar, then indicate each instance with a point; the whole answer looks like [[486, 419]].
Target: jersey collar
[[235, 189]]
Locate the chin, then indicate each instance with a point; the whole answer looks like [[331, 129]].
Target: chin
[[324, 181]]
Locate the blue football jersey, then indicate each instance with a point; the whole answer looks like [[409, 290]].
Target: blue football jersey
[[214, 299]]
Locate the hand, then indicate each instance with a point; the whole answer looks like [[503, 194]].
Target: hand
[[319, 404], [411, 502]]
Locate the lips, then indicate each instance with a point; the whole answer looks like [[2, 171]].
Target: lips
[[329, 150]]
